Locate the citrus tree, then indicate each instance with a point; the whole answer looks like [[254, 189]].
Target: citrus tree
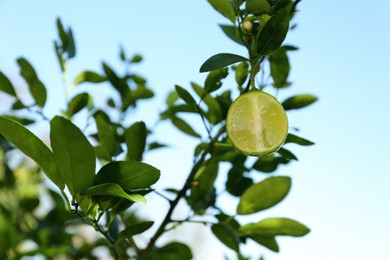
[[94, 161]]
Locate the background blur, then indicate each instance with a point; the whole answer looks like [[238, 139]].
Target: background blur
[[340, 185]]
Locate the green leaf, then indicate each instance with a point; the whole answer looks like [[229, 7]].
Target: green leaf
[[184, 126], [227, 235], [60, 58], [271, 227], [291, 138], [136, 58], [135, 229], [113, 189], [62, 34], [20, 120], [171, 98], [77, 104], [268, 242], [266, 164], [213, 80], [71, 48], [237, 183], [274, 32], [36, 87], [108, 144], [280, 67], [128, 174], [88, 76], [214, 113], [220, 60], [6, 85], [74, 155], [185, 95], [225, 8], [242, 73], [299, 101], [172, 251], [118, 83], [33, 147], [135, 137], [264, 195], [287, 154], [231, 32], [257, 6]]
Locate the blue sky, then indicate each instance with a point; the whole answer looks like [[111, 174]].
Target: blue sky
[[340, 185]]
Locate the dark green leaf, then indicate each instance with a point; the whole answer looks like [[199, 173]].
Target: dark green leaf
[[36, 87], [298, 101], [136, 59], [225, 8], [184, 126], [113, 189], [122, 54], [213, 80], [156, 145], [291, 138], [231, 32], [6, 85], [71, 48], [136, 229], [74, 155], [185, 95], [174, 109], [118, 83], [21, 120], [135, 137], [257, 6], [280, 67], [237, 183], [271, 227], [77, 104], [242, 73], [227, 235], [18, 105], [220, 60], [60, 58], [274, 32], [62, 34], [267, 163], [287, 154], [268, 242], [108, 144], [172, 251], [214, 113], [128, 174], [141, 92], [264, 195], [33, 147], [88, 76], [280, 4]]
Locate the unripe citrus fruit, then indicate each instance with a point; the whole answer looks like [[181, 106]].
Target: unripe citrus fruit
[[257, 123]]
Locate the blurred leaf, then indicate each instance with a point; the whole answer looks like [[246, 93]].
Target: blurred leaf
[[128, 174], [18, 105], [71, 48], [136, 229], [135, 137], [171, 98], [141, 92], [266, 163], [298, 101], [231, 32], [273, 33], [174, 109], [213, 79], [118, 83], [59, 52], [264, 195], [185, 95], [113, 189], [77, 104], [122, 54], [242, 73], [74, 155], [184, 126], [20, 120], [287, 154], [88, 76], [227, 235], [220, 60], [268, 242], [237, 183], [257, 6], [62, 34], [108, 144], [36, 87], [280, 67], [172, 251], [33, 147], [280, 4], [271, 227], [225, 8], [136, 59], [6, 85], [156, 145], [214, 113], [291, 138]]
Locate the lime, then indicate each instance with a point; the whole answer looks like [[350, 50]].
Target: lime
[[256, 123]]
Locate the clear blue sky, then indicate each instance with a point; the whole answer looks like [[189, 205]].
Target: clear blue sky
[[340, 185]]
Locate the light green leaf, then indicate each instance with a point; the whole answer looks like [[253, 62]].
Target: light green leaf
[[280, 67], [264, 195], [113, 189], [135, 137], [214, 78], [231, 32], [89, 76], [273, 33], [227, 235], [184, 126], [299, 101], [221, 60], [225, 8], [36, 87], [33, 147], [242, 72], [257, 6], [291, 138], [172, 251], [108, 144], [6, 85], [185, 95], [74, 154], [271, 227], [77, 104], [128, 174]]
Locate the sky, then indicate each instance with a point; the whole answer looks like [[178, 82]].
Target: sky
[[340, 185]]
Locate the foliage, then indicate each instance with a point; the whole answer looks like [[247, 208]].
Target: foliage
[[97, 166]]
